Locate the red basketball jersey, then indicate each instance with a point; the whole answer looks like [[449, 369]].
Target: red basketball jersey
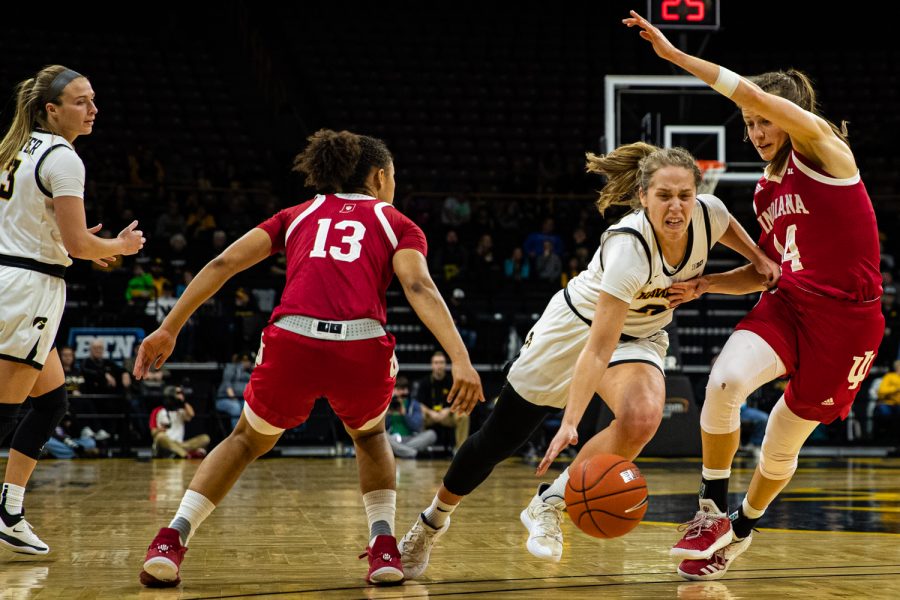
[[822, 230], [339, 250]]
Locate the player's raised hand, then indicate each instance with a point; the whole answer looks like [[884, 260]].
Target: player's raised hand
[[133, 238], [466, 391], [567, 435], [661, 44], [154, 350]]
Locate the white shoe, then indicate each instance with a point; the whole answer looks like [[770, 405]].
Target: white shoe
[[543, 521], [19, 537], [716, 565], [102, 435], [415, 547], [87, 432]]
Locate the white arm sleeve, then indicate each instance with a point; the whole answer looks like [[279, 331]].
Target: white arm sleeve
[[62, 172], [625, 268], [718, 216]]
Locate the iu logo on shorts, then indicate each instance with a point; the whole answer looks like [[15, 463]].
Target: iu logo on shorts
[[860, 369]]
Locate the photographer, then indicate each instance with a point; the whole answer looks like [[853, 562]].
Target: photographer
[[405, 423], [167, 427]]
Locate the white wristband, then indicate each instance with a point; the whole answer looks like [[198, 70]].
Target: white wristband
[[726, 82]]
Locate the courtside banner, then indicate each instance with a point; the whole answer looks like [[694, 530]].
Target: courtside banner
[[121, 342]]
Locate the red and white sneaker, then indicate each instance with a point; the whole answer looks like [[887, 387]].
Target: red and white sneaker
[[707, 532], [384, 561], [715, 566], [163, 559]]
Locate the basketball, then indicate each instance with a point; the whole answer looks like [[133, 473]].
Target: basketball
[[606, 496]]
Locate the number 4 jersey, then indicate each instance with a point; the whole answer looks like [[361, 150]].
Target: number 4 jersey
[[339, 255], [821, 229]]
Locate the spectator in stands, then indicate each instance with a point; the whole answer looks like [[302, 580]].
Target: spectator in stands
[[451, 261], [64, 443], [167, 427], [463, 318], [235, 377], [887, 410], [534, 243], [485, 266], [140, 286], [517, 267], [101, 375], [548, 265], [160, 306], [573, 268], [200, 221], [74, 378], [178, 255], [456, 212], [406, 423], [431, 392], [170, 222]]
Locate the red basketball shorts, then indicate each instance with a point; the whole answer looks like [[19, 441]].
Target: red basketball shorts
[[294, 370], [827, 347]]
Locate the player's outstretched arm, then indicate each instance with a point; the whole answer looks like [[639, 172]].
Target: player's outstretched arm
[[737, 238], [250, 249], [737, 282], [810, 134], [426, 300]]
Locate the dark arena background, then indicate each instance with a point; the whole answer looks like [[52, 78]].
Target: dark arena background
[[488, 109]]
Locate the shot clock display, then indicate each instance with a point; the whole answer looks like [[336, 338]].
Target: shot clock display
[[684, 14]]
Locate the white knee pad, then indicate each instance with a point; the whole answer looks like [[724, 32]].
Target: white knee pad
[[785, 434], [745, 363]]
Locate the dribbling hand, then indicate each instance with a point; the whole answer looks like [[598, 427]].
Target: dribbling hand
[[154, 350], [567, 435]]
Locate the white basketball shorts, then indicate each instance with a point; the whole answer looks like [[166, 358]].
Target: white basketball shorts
[[543, 371], [30, 314]]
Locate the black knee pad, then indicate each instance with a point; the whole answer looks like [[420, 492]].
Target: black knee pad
[[511, 423], [9, 416], [36, 428]]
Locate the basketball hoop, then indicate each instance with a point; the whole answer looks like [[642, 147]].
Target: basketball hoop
[[711, 170]]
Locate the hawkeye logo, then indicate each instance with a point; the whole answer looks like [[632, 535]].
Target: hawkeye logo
[[39, 322], [657, 293]]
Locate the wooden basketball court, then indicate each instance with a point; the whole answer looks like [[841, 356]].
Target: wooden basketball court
[[293, 527]]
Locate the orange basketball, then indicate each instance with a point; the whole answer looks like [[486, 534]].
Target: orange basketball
[[606, 496]]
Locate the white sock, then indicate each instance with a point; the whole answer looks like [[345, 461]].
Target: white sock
[[11, 498], [194, 509], [438, 513], [556, 493], [749, 511], [711, 474], [381, 506]]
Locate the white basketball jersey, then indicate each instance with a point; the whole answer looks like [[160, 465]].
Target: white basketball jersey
[[649, 308], [29, 222]]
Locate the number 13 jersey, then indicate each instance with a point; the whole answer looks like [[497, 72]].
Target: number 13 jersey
[[339, 251], [822, 230]]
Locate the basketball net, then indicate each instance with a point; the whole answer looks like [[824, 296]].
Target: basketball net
[[711, 170]]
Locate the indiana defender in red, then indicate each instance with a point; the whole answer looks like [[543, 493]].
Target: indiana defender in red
[[823, 324], [326, 338]]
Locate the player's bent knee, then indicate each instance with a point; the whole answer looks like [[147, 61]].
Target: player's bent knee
[[41, 419], [775, 463], [9, 418], [726, 391]]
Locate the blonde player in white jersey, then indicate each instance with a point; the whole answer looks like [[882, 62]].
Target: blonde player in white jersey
[[42, 211], [602, 333]]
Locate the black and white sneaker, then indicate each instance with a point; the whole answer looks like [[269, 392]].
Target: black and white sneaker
[[18, 536]]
